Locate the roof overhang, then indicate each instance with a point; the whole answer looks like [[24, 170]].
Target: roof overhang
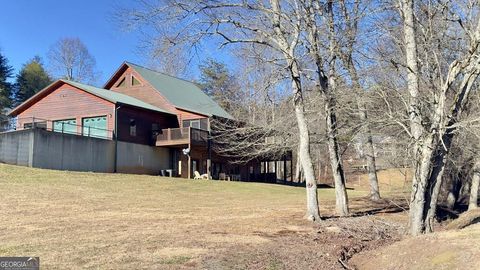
[[53, 86], [32, 100], [116, 75]]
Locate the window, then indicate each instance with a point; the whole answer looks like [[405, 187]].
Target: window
[[135, 81], [133, 128], [195, 124], [155, 127], [122, 83], [40, 124], [192, 123], [65, 126], [95, 126]]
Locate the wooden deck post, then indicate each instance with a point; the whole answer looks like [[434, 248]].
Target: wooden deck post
[[209, 159], [190, 153], [275, 169], [291, 169], [189, 174]]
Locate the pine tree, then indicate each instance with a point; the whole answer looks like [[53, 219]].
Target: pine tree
[[31, 79], [6, 71], [217, 82]]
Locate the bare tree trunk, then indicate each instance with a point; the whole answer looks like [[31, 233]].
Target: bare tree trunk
[[329, 86], [417, 201], [422, 163], [473, 202], [341, 197], [412, 71], [366, 140], [371, 167], [298, 168], [326, 86], [288, 50], [313, 212], [436, 180]]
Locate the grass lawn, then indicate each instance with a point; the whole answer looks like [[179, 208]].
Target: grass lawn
[[75, 220]]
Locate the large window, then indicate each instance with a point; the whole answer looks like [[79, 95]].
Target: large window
[[65, 126], [196, 123], [192, 123], [95, 126]]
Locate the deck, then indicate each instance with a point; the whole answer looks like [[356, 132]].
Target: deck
[[181, 136]]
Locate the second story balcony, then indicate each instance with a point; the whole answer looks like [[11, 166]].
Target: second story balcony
[[181, 136]]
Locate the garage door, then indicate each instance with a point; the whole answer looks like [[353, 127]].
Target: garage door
[[95, 127], [65, 126]]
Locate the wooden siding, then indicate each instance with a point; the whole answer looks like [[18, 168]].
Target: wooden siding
[[147, 93], [68, 102], [186, 115], [143, 121], [144, 91]]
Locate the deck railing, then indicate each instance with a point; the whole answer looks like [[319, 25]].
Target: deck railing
[[61, 127], [179, 136]]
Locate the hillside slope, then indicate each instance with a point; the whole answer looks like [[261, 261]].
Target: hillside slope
[[457, 249]]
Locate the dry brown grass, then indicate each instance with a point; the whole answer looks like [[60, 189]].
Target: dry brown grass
[[457, 249], [391, 181], [75, 220]]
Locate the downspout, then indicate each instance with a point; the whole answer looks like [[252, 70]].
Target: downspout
[[115, 159], [209, 151]]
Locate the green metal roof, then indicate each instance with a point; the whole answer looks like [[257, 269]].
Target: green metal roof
[[115, 97], [181, 93]]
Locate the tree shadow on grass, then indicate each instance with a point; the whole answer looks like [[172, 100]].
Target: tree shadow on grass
[[366, 207]]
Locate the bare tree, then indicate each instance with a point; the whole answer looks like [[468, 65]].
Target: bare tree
[[449, 85], [346, 39], [326, 83], [272, 25], [70, 59]]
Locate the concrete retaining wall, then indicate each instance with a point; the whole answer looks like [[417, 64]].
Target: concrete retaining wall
[[142, 159], [16, 147], [50, 150], [58, 151]]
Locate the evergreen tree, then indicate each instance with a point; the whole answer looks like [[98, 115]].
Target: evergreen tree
[[31, 79], [217, 82], [6, 71]]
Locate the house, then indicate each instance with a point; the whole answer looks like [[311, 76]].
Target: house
[[169, 117]]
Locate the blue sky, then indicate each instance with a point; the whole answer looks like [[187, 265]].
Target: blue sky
[[29, 28]]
